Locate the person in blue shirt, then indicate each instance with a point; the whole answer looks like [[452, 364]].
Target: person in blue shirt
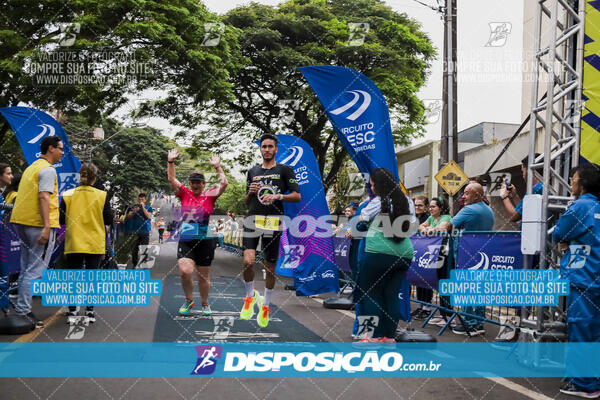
[[509, 195], [139, 223], [474, 216], [577, 232]]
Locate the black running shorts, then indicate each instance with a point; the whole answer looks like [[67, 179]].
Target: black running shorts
[[269, 243], [202, 251]]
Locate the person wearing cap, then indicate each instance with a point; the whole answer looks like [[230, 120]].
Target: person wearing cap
[[196, 247]]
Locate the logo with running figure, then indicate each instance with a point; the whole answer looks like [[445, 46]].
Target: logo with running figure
[[207, 359], [499, 32], [366, 326], [578, 255], [67, 180], [292, 255]]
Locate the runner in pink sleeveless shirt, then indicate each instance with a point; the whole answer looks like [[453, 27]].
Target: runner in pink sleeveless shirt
[[196, 247]]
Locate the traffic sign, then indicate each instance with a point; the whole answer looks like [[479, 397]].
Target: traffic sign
[[451, 178]]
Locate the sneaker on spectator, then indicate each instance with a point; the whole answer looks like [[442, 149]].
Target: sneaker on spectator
[[422, 314], [71, 315], [367, 343], [37, 322], [91, 316], [473, 330], [571, 389], [416, 311], [439, 321]]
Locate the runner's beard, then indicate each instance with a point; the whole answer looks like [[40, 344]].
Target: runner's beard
[[268, 159]]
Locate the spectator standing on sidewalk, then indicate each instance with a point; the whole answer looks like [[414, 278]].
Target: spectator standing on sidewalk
[[36, 215], [139, 217], [476, 215]]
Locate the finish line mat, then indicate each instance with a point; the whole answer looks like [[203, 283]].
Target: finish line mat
[[226, 299]]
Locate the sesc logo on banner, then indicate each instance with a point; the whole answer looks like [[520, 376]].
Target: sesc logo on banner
[[490, 251]]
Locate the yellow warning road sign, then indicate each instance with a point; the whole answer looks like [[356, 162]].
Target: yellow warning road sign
[[451, 178]]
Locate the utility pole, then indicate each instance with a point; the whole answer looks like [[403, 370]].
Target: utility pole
[[449, 143]]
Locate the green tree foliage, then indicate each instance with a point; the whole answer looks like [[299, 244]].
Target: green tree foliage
[[349, 186], [271, 96], [129, 160], [233, 199], [157, 44]]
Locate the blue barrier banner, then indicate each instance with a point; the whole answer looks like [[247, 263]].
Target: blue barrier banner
[[10, 248], [490, 251], [307, 249], [30, 127], [10, 256], [423, 271], [278, 360], [342, 252]]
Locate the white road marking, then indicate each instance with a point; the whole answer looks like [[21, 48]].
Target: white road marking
[[241, 335], [500, 381], [215, 295], [520, 389], [236, 316], [345, 312]]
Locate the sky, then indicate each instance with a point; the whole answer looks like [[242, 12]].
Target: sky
[[488, 71]]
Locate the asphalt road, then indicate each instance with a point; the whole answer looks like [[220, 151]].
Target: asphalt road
[[293, 319]]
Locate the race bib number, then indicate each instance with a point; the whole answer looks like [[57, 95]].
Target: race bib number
[[270, 223]]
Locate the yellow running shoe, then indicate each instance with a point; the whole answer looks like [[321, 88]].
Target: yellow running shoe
[[263, 314], [248, 308]]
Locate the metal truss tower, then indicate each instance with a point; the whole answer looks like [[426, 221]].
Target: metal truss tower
[[555, 121]]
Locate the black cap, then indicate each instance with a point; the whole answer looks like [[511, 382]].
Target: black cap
[[196, 176]]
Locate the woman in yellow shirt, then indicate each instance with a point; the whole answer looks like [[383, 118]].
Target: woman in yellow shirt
[[86, 213]]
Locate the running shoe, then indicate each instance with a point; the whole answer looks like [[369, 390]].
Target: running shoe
[[206, 311], [571, 389], [34, 320], [387, 340], [263, 315], [473, 330], [415, 312], [91, 316], [439, 321], [71, 315], [248, 308], [186, 308], [422, 314], [368, 343]]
